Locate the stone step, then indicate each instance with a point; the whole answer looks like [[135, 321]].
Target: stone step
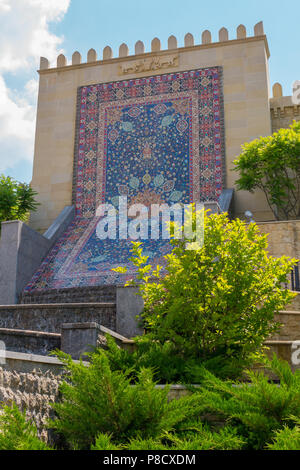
[[50, 317], [71, 295], [31, 342], [74, 339]]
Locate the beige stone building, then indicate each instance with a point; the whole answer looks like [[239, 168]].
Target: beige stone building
[[250, 111], [157, 126]]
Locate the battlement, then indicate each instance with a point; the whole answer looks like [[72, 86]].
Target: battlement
[[189, 42], [283, 110]]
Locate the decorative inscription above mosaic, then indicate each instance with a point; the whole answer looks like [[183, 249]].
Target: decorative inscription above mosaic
[[146, 65], [154, 140]]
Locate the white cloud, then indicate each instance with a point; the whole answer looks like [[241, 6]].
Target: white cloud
[[24, 37], [4, 5]]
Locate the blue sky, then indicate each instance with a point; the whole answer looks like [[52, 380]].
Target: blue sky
[[30, 28]]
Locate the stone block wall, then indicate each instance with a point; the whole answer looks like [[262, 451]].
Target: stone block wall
[[24, 341], [50, 317], [31, 391], [283, 237], [290, 330], [90, 294]]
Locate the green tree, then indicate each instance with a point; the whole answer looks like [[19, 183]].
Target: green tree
[[272, 164], [16, 199], [216, 302]]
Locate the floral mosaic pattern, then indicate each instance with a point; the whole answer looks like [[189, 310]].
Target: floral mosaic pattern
[[153, 140]]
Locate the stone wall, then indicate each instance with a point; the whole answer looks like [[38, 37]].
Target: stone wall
[[22, 251], [31, 392], [50, 317], [26, 341], [290, 329], [283, 237], [90, 294]]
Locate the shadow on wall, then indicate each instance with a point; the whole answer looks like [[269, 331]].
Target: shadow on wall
[[22, 250]]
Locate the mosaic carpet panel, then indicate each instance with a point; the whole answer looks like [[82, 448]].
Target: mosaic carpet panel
[[154, 140]]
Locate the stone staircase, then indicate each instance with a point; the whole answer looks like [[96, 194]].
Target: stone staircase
[[34, 325]]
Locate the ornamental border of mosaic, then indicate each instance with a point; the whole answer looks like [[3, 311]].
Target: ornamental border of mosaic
[[219, 115]]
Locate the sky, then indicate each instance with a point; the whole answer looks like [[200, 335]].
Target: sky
[[33, 28]]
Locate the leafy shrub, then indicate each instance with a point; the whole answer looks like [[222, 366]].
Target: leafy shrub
[[166, 365], [16, 199], [102, 411], [200, 438], [286, 439], [165, 362], [97, 400], [215, 303], [272, 164], [16, 433], [257, 409], [103, 442]]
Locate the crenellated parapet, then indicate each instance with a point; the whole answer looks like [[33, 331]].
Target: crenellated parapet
[[139, 50], [284, 110]]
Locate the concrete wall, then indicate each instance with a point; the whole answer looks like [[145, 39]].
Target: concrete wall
[[246, 102], [21, 252], [128, 308]]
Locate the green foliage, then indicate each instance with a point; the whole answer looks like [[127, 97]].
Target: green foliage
[[199, 438], [286, 439], [258, 414], [16, 433], [215, 303], [101, 410], [16, 199], [164, 361], [272, 164], [97, 400], [257, 409], [103, 442]]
